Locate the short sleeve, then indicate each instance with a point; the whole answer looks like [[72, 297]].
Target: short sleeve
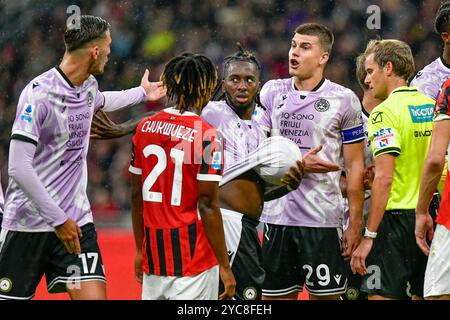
[[211, 167], [352, 128], [383, 133], [31, 114], [441, 108], [136, 157], [99, 100]]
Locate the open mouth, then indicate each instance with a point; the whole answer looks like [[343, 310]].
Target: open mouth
[[294, 64]]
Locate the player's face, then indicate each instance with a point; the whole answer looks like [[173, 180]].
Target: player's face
[[375, 78], [241, 84], [102, 51], [306, 56]]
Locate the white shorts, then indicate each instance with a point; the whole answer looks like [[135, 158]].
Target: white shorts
[[437, 274], [204, 286]]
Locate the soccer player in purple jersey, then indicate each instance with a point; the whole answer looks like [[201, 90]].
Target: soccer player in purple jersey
[[430, 79], [302, 237], [47, 226]]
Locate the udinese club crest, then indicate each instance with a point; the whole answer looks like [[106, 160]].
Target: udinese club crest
[[322, 105], [90, 99]]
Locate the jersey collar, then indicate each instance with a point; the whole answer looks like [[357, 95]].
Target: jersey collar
[[443, 63], [404, 89], [177, 112], [64, 77]]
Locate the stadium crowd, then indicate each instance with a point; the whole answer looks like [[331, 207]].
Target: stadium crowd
[[149, 33]]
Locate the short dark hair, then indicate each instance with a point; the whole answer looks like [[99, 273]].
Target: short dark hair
[[326, 37], [189, 79], [91, 28], [442, 19]]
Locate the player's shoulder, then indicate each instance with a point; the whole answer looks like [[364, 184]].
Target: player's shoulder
[[337, 90], [91, 81], [431, 69], [213, 109], [41, 84], [277, 85]]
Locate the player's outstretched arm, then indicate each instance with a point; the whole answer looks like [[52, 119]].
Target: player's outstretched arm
[[208, 204], [147, 91], [138, 223], [104, 128]]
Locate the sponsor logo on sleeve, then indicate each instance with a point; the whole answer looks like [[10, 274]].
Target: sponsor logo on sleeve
[[27, 113], [420, 114], [383, 138], [217, 160]]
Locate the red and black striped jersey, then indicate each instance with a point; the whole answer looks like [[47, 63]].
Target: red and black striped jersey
[[172, 152]]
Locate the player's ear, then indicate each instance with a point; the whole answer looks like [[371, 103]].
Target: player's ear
[[324, 58], [388, 68], [95, 52]]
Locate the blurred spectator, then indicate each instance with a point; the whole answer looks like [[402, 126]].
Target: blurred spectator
[[148, 33]]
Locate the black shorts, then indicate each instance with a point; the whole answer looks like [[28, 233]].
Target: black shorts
[[395, 265], [26, 256], [294, 256], [244, 252], [353, 291]]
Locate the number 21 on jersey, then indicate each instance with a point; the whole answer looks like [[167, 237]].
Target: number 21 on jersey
[[161, 165]]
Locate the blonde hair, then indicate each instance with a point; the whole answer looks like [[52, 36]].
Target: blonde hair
[[397, 52]]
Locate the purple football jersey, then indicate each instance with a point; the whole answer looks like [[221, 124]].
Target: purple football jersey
[[430, 79], [240, 137], [328, 115], [56, 116]]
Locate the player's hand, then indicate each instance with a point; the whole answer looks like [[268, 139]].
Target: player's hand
[[369, 175], [294, 176], [314, 164], [358, 262], [351, 239], [154, 90], [138, 272], [104, 128], [424, 229], [229, 283], [70, 233]]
